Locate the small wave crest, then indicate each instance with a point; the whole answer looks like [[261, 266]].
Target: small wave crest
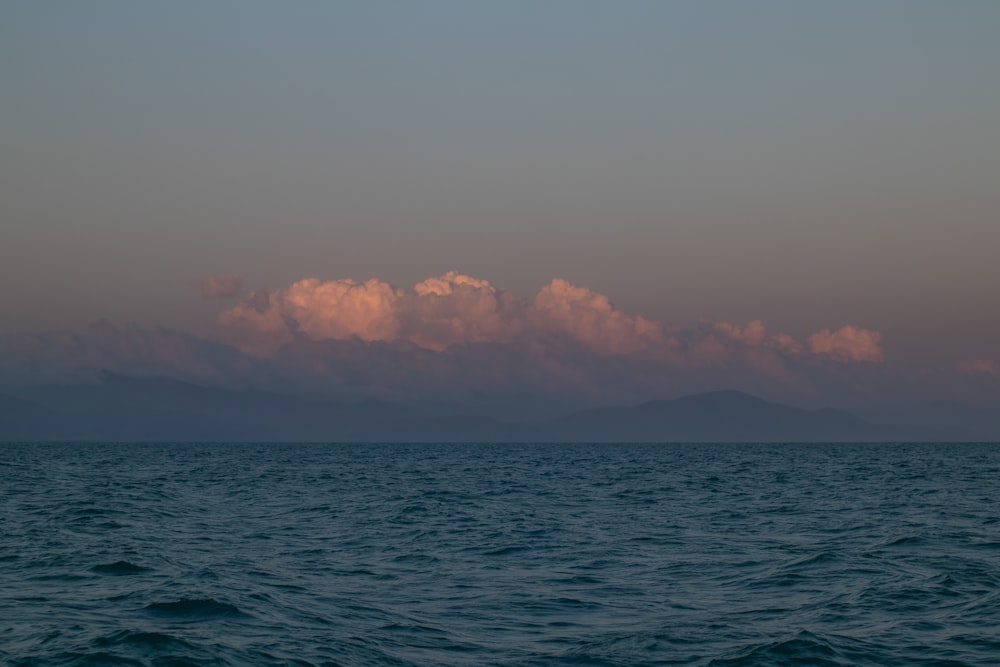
[[120, 568], [141, 639], [803, 649], [194, 608]]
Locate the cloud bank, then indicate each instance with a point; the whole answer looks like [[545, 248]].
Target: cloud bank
[[456, 309], [848, 343], [456, 340]]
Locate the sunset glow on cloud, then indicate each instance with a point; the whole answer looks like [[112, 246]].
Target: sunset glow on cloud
[[848, 343], [277, 207], [591, 319], [458, 339], [457, 309]]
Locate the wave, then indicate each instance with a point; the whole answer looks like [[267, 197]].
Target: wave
[[120, 568], [194, 608], [805, 648]]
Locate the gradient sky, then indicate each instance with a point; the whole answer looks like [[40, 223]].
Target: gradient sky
[[807, 164]]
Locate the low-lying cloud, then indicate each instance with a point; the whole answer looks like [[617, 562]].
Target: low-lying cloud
[[455, 340], [848, 343], [457, 309]]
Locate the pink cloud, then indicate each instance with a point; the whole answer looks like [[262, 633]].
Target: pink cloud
[[457, 309], [320, 310], [784, 343], [452, 309], [590, 318], [222, 286], [340, 309], [979, 367], [848, 343], [724, 342], [751, 334]]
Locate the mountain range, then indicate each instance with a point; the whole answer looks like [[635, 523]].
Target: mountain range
[[122, 408]]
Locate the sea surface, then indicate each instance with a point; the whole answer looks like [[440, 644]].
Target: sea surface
[[775, 554]]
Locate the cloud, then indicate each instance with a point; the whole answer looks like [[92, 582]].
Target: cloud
[[591, 319], [785, 343], [439, 312], [979, 367], [319, 310], [455, 340], [222, 286], [456, 310], [61, 357], [848, 343], [751, 334], [453, 309], [525, 364]]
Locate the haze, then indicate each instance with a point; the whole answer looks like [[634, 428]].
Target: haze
[[753, 174]]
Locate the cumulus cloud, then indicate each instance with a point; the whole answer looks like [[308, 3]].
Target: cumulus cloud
[[319, 310], [222, 286], [785, 343], [591, 319], [453, 309], [456, 310], [751, 334], [725, 343], [455, 340], [979, 367], [848, 343]]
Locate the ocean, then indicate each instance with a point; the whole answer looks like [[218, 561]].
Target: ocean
[[492, 554]]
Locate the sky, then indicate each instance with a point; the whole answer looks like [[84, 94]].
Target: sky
[[811, 167]]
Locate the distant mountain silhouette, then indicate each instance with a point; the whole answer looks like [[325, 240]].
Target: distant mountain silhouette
[[122, 408], [721, 416], [965, 422]]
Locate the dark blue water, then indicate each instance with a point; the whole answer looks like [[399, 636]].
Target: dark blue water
[[499, 554]]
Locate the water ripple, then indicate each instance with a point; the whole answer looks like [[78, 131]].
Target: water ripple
[[510, 555]]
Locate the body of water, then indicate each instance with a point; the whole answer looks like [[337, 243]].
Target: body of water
[[217, 554]]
